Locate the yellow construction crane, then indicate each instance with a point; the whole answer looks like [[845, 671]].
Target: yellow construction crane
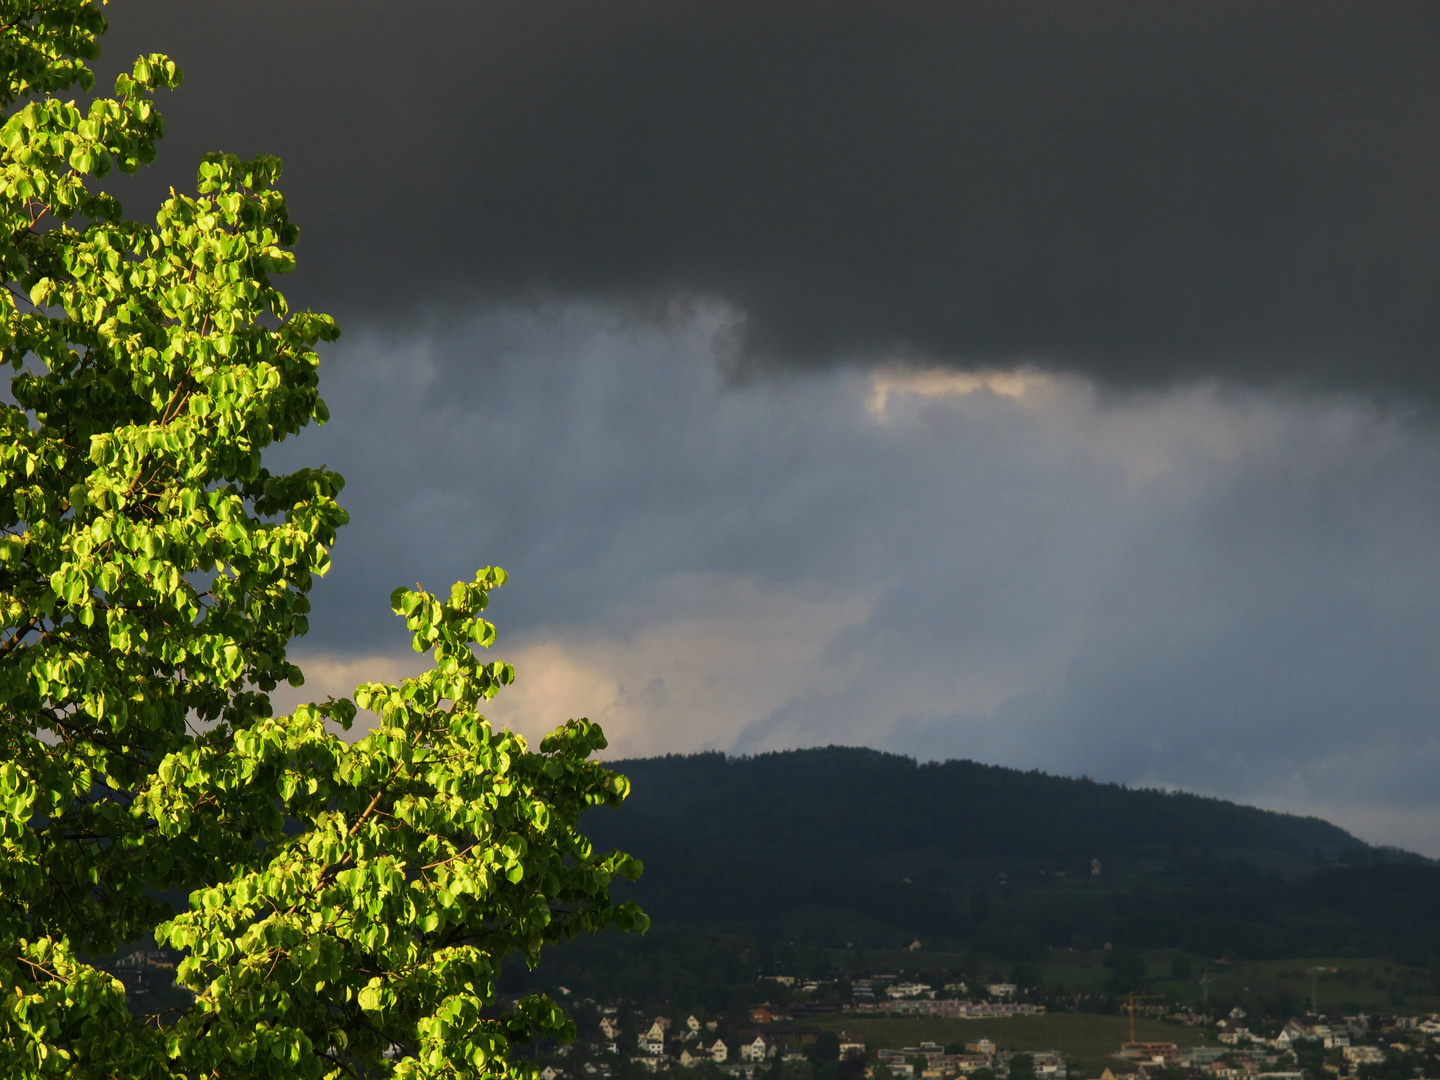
[[1134, 998]]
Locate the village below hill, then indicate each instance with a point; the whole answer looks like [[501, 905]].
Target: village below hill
[[924, 1023], [987, 1035]]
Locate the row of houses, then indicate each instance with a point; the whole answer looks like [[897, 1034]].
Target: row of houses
[[1226, 1062], [1243, 1055], [997, 991], [1219, 1070], [145, 970], [864, 989], [659, 1027], [955, 1008], [980, 1054], [1338, 1035], [753, 1048], [739, 1057]]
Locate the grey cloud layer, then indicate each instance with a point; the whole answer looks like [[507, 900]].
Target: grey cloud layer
[[1231, 592], [1138, 192]]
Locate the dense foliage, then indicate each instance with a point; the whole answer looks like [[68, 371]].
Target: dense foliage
[[350, 902]]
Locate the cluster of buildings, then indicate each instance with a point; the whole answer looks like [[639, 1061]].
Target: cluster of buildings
[[1219, 1062], [1246, 1055], [1348, 1044], [145, 970], [887, 995], [958, 1009], [691, 1042], [980, 1054]]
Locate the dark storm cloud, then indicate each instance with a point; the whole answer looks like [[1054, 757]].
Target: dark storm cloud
[[1138, 192]]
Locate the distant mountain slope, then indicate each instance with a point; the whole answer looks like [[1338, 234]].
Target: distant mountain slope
[[836, 798], [842, 845]]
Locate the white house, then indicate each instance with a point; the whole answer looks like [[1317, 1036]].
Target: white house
[[758, 1050], [1049, 1063], [906, 990], [609, 1027], [656, 1031], [719, 1052], [1363, 1055], [692, 1023]]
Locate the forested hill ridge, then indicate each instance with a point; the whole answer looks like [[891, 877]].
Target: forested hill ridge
[[843, 846], [837, 798]]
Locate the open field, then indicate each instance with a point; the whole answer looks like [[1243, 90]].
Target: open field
[[1344, 985], [1088, 1040], [1379, 987]]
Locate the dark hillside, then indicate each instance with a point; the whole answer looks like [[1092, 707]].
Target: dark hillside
[[838, 798], [842, 846]]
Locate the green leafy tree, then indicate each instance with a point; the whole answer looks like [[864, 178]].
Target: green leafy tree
[[826, 1047], [350, 902]]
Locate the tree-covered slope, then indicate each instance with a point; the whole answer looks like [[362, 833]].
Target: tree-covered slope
[[849, 846]]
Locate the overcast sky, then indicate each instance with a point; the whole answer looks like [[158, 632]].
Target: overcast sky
[[1051, 384]]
